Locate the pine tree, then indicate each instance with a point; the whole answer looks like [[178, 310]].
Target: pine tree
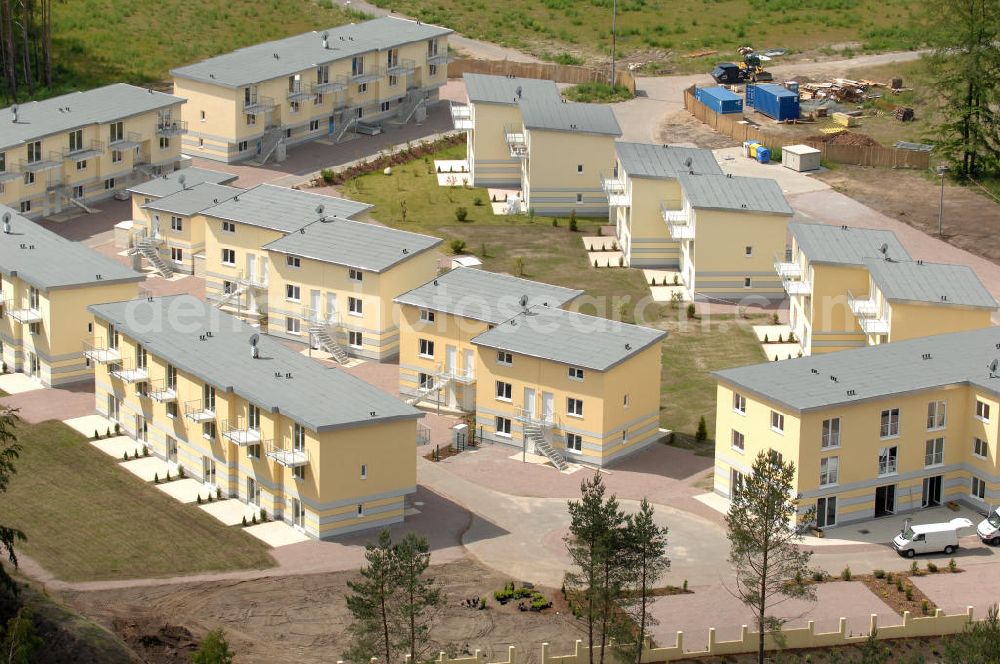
[[701, 434], [370, 605], [10, 450], [417, 595], [646, 556], [213, 649]]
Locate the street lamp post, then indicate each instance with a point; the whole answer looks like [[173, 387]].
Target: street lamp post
[[941, 171]]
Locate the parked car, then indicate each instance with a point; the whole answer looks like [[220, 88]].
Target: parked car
[[989, 528], [929, 537]]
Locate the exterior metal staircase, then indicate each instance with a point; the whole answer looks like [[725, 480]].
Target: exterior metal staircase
[[321, 334], [535, 433], [269, 143], [350, 124], [415, 100], [148, 248], [438, 382], [228, 298]]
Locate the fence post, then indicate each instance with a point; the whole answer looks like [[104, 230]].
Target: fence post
[[873, 624], [711, 640]]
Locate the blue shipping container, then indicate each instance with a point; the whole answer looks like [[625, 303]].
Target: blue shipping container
[[719, 100], [773, 101]]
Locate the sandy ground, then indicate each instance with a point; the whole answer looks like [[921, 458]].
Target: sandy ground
[[303, 619]]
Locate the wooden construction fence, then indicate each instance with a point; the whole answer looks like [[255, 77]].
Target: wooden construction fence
[[858, 155], [545, 70]]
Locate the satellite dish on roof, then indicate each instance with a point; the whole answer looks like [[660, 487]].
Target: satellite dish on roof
[[993, 367], [182, 179], [687, 162], [320, 208], [524, 301], [254, 351], [884, 249], [6, 223], [519, 91]]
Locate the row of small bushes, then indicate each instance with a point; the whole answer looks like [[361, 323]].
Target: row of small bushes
[[328, 176]]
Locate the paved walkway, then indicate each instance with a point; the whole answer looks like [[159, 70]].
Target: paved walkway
[[60, 403]]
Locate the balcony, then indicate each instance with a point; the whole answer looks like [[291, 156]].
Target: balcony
[[197, 410], [39, 165], [357, 78], [786, 268], [465, 376], [129, 140], [618, 193], [796, 286], [128, 371], [240, 432], [862, 307], [299, 92], [257, 104], [516, 142], [258, 281], [99, 352], [7, 176], [439, 58], [162, 391], [867, 312], [87, 150], [461, 117], [873, 325], [531, 417], [332, 85], [289, 456], [23, 311], [317, 317], [168, 127], [402, 67], [678, 223]]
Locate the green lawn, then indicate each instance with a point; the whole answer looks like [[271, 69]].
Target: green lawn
[[86, 519], [666, 29]]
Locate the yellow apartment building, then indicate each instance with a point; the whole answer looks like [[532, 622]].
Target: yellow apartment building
[[333, 282], [642, 188], [493, 105], [568, 385], [85, 146], [823, 265], [252, 418], [562, 147], [47, 283], [439, 319], [872, 431], [255, 101], [729, 228]]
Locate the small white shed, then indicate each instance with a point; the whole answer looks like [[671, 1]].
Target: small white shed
[[800, 158]]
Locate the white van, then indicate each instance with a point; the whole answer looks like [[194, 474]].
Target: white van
[[929, 538], [989, 528]]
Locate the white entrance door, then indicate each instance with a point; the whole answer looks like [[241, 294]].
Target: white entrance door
[[548, 406], [171, 449], [208, 470], [112, 408], [469, 363], [315, 306], [529, 402], [451, 358], [298, 514], [33, 365], [253, 492], [155, 226], [331, 307], [264, 269], [251, 266]]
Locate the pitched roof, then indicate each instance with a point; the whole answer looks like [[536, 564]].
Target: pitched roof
[[899, 367], [486, 296], [553, 114], [282, 209], [193, 199], [569, 338], [485, 88], [78, 109], [844, 245], [284, 57], [321, 398], [353, 243], [645, 160], [46, 260], [933, 283], [169, 183], [735, 193]]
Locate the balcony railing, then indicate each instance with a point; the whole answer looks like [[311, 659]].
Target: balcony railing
[[874, 325], [252, 280], [23, 311], [680, 228], [7, 176], [131, 139], [786, 268], [197, 410], [516, 141], [401, 67], [466, 376], [867, 313], [257, 104], [439, 58], [887, 466], [299, 92], [461, 116], [318, 317], [240, 432], [532, 417], [170, 127], [91, 148], [128, 371], [162, 391], [288, 456], [39, 165], [796, 286], [618, 193], [862, 306], [367, 76], [332, 85], [98, 351], [423, 434]]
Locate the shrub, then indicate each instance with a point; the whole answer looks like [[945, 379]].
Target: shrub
[[199, 499], [461, 214], [914, 570], [818, 576], [218, 492], [263, 514], [925, 607], [145, 451], [690, 311], [595, 262], [774, 319], [676, 280], [213, 649], [482, 250], [702, 433], [327, 175], [572, 221], [685, 586], [97, 436], [931, 567], [457, 246], [899, 583], [952, 566], [888, 577], [519, 266], [180, 471], [477, 201], [125, 456], [109, 432], [780, 339], [845, 574], [244, 521], [879, 573], [909, 592], [621, 261], [254, 520], [156, 478], [118, 428], [168, 475], [493, 199], [600, 231], [765, 339], [555, 223]]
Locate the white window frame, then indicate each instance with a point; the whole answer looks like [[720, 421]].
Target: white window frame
[[364, 471], [293, 293], [890, 427], [777, 422], [982, 411], [355, 275], [176, 224], [822, 507], [978, 488], [293, 261], [890, 465], [980, 448], [177, 254], [934, 452], [576, 373], [738, 441], [228, 227], [829, 471], [293, 325], [502, 426], [231, 253], [355, 307], [426, 316], [504, 391], [937, 415], [574, 407], [505, 358], [425, 348], [355, 339], [739, 403], [574, 443]]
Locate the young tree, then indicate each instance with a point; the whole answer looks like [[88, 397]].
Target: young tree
[[418, 595], [370, 604], [978, 644], [763, 542], [646, 555], [20, 642], [10, 450], [213, 649]]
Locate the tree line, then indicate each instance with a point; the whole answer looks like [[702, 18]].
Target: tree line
[[25, 47]]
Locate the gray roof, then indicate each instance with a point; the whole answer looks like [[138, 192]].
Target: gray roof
[[78, 109], [193, 200], [844, 245], [553, 114], [875, 371], [282, 209], [934, 283], [295, 54], [645, 160], [46, 260], [486, 296], [736, 193], [485, 88], [353, 243], [569, 338], [318, 397], [167, 184]]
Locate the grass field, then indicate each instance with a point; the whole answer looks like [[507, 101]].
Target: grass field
[[554, 28], [86, 519], [96, 42]]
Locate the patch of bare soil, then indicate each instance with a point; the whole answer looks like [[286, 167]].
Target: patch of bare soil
[[971, 220], [682, 127], [303, 619], [846, 138]]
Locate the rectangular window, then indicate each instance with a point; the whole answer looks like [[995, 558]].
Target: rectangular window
[[314, 125], [934, 452], [357, 66], [393, 80], [980, 448], [739, 403], [978, 488], [385, 107], [575, 373], [176, 224], [253, 451], [747, 282], [982, 410], [109, 184], [176, 254], [504, 391], [34, 151], [579, 198], [735, 481], [502, 426], [172, 409], [228, 287], [293, 106], [739, 441], [574, 442], [164, 142], [251, 119], [831, 433], [574, 407], [432, 70], [887, 460], [116, 131], [299, 472], [208, 430], [361, 510], [777, 421], [626, 402], [937, 415], [425, 381], [81, 165], [228, 227], [293, 261], [504, 358], [318, 100], [117, 156], [25, 206], [76, 140], [363, 88], [242, 146], [29, 177], [364, 471], [354, 339], [354, 275], [354, 306], [426, 348], [229, 257], [426, 316], [293, 293], [829, 470], [78, 192], [748, 251], [293, 326], [579, 168], [826, 512], [889, 427]]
